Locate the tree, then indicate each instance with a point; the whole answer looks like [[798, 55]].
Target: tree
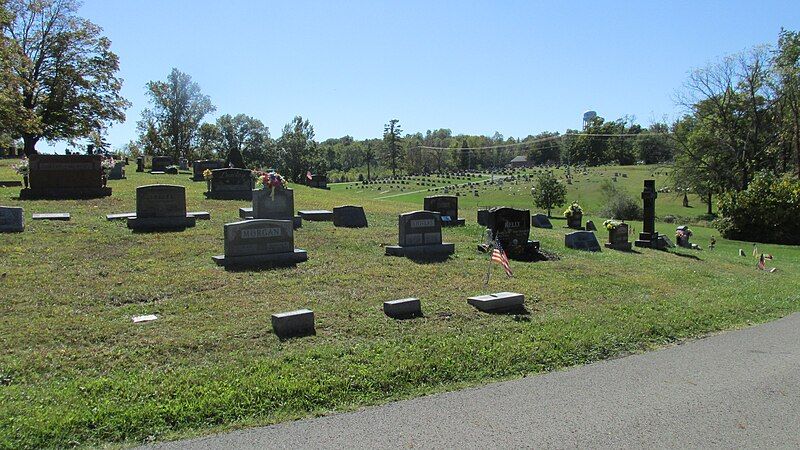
[[297, 149], [787, 65], [178, 107], [248, 137], [209, 142], [369, 157], [549, 192], [63, 71], [391, 135]]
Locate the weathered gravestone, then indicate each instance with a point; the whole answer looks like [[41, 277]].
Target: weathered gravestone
[[590, 226], [512, 227], [140, 163], [183, 164], [618, 238], [349, 216], [198, 167], [499, 302], [65, 177], [404, 308], [540, 220], [293, 323], [118, 172], [318, 181], [316, 215], [278, 205], [483, 217], [160, 207], [11, 219], [231, 184], [446, 206], [649, 237], [420, 236], [582, 240], [260, 242], [160, 163]]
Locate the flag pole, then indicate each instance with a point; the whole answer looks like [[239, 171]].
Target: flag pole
[[489, 261]]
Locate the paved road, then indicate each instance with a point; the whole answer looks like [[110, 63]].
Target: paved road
[[737, 389]]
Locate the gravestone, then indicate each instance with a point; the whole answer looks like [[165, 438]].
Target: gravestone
[[590, 226], [316, 215], [293, 323], [140, 163], [649, 237], [160, 207], [420, 236], [11, 219], [618, 238], [512, 227], [682, 236], [349, 216], [483, 217], [582, 240], [501, 301], [160, 163], [65, 177], [231, 184], [259, 242], [446, 206], [268, 205], [318, 181], [540, 220], [52, 216], [198, 167], [403, 309], [183, 164], [118, 172]]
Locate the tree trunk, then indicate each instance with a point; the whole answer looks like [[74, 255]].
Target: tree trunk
[[368, 170], [709, 204], [30, 144]]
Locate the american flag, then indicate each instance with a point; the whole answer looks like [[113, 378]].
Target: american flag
[[499, 256], [308, 175], [761, 263]]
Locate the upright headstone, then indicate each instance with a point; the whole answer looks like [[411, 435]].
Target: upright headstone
[[649, 238], [278, 205], [540, 220], [160, 207], [11, 219], [512, 228], [618, 238], [118, 172], [183, 164], [590, 226], [140, 163], [198, 167], [420, 236], [446, 206], [231, 184], [260, 242], [319, 182], [65, 177], [160, 163], [582, 240], [349, 216]]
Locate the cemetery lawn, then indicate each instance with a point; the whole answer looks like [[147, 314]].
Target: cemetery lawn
[[75, 371]]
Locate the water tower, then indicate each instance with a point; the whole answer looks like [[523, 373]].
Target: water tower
[[588, 117]]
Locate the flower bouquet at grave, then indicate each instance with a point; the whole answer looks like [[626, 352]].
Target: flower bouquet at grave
[[574, 210], [108, 165], [611, 225], [272, 181], [23, 168], [208, 175], [681, 234]]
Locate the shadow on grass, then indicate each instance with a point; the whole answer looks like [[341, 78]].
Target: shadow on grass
[[264, 267], [686, 255], [521, 311], [422, 260]]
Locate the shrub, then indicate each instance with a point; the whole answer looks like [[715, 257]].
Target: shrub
[[619, 204], [767, 211]]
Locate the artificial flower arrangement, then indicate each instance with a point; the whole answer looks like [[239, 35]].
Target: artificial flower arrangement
[[107, 164], [611, 225], [573, 210], [22, 168], [686, 233], [208, 175], [272, 181]]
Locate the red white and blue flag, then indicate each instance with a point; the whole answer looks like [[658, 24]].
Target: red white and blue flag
[[499, 256], [308, 175]]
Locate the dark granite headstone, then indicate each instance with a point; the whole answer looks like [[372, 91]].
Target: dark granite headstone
[[160, 207], [258, 242], [446, 206], [118, 172], [231, 184], [618, 238], [349, 217], [160, 163], [268, 205], [140, 163], [318, 181], [649, 236], [590, 226], [582, 240], [183, 164], [540, 220], [65, 177], [11, 219], [512, 227], [420, 235], [198, 167]]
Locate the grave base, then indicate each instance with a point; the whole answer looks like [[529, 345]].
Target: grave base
[[318, 215], [294, 323], [422, 251], [64, 193], [454, 223], [247, 214], [654, 241], [276, 259], [229, 195], [626, 247], [502, 301], [160, 223], [52, 216]]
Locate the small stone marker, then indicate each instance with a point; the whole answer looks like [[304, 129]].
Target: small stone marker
[[160, 207], [501, 301], [121, 216], [200, 215], [420, 236], [590, 226], [51, 216], [540, 220], [403, 308], [145, 318], [294, 323], [11, 219], [582, 240], [349, 216], [260, 242], [316, 215]]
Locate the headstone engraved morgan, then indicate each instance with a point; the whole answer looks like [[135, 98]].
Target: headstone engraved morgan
[[65, 177], [268, 205], [11, 219], [231, 184], [200, 166], [618, 238], [160, 207], [446, 206], [582, 240], [420, 236], [649, 237], [349, 216], [260, 242], [512, 227]]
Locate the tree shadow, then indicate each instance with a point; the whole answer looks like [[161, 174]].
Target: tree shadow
[[686, 255]]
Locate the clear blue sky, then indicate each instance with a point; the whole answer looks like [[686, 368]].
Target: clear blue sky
[[517, 67]]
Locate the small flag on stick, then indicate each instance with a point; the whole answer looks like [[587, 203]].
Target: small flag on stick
[[499, 256], [308, 175], [761, 263]]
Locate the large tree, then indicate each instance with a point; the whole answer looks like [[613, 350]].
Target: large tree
[[391, 135], [249, 137], [177, 108], [548, 192], [297, 149], [63, 71]]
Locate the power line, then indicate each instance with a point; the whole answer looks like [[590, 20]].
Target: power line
[[522, 144]]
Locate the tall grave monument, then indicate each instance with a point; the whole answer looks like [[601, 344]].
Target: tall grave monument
[[649, 237]]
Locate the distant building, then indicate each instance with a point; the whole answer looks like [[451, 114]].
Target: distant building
[[519, 161]]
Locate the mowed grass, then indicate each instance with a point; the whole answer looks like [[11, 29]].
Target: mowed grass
[[75, 371]]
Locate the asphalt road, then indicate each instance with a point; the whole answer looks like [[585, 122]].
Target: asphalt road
[[737, 389]]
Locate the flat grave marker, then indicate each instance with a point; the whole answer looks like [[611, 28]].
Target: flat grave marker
[[501, 301], [12, 219]]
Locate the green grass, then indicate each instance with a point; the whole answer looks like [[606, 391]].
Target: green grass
[[76, 372]]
